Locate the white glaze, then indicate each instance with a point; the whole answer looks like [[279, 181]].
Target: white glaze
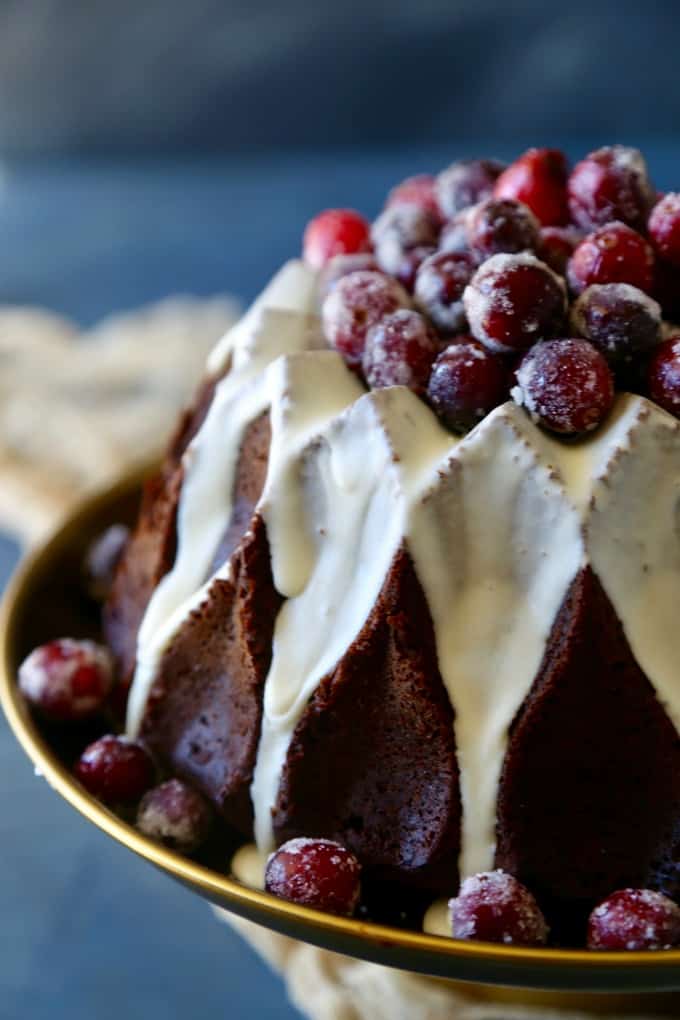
[[497, 524]]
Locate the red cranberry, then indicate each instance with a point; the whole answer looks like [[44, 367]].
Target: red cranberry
[[115, 770], [512, 301], [409, 264], [618, 319], [612, 254], [399, 351], [495, 907], [455, 235], [335, 232], [439, 287], [315, 873], [420, 191], [502, 225], [175, 815], [400, 229], [634, 919], [557, 245], [101, 561], [356, 303], [67, 679], [467, 382], [343, 265], [465, 183], [539, 179], [664, 376], [565, 385], [664, 227], [610, 184]]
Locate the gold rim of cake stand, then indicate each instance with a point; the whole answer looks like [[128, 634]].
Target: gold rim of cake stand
[[412, 950]]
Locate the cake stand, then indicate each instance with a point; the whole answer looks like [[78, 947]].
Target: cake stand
[[45, 600]]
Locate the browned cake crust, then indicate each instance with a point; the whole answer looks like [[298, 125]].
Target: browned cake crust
[[590, 792]]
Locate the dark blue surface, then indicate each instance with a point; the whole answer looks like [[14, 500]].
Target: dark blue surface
[[87, 930]]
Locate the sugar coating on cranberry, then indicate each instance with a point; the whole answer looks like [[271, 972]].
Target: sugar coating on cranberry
[[502, 225], [315, 873], [465, 183], [357, 302], [539, 180], [399, 351], [557, 245], [611, 183], [455, 235], [101, 560], [664, 227], [343, 265], [514, 300], [67, 679], [420, 190], [566, 386], [494, 907], [466, 383], [439, 286], [612, 254], [335, 232], [115, 770], [634, 919], [409, 263], [618, 319], [663, 378], [176, 815], [399, 229]]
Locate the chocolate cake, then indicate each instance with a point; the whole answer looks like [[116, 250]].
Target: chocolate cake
[[395, 587]]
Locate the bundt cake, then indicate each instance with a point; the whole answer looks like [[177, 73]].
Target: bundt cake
[[412, 589]]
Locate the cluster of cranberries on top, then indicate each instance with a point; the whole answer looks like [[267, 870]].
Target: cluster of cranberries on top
[[531, 281]]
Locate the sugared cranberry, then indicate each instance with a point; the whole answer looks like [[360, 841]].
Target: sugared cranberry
[[495, 907], [335, 232], [357, 302], [410, 262], [420, 191], [502, 225], [343, 265], [400, 351], [315, 873], [612, 254], [439, 286], [557, 245], [634, 919], [610, 184], [101, 560], [175, 815], [565, 385], [664, 227], [539, 179], [618, 319], [67, 679], [455, 235], [512, 301], [663, 377], [400, 229], [115, 770], [467, 382], [465, 183]]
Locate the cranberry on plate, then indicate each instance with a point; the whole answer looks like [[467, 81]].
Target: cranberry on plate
[[67, 680], [663, 377], [634, 919], [494, 907], [357, 302], [467, 382], [343, 265], [315, 873], [439, 286], [514, 300], [465, 183], [539, 180], [618, 319], [399, 351], [335, 232], [664, 227], [612, 254], [176, 815], [400, 230], [566, 386], [420, 190], [115, 770], [502, 225], [611, 183], [557, 245]]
